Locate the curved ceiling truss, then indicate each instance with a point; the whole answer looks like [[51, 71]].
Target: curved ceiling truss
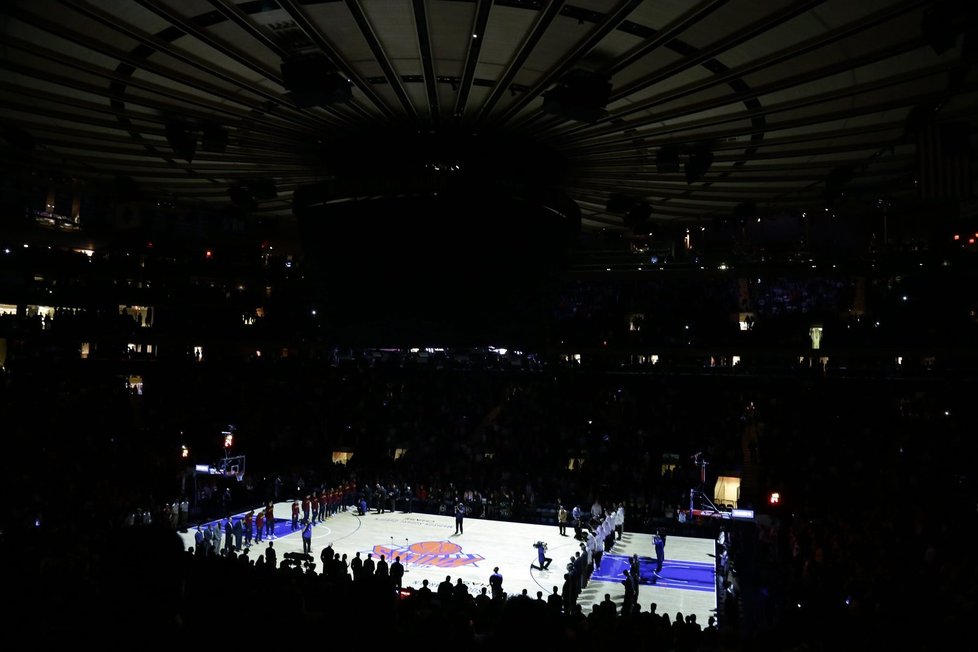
[[712, 104]]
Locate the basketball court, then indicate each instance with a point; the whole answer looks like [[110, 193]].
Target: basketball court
[[430, 549]]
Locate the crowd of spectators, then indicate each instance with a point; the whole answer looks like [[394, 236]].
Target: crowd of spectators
[[874, 469], [874, 476], [264, 297], [723, 309]]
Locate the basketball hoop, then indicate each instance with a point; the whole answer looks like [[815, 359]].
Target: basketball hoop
[[232, 466], [699, 492]]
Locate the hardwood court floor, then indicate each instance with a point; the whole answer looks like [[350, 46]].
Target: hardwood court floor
[[429, 549]]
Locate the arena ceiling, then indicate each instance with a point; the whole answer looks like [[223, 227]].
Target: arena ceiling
[[649, 111]]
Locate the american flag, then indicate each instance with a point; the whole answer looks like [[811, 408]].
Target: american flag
[[944, 160]]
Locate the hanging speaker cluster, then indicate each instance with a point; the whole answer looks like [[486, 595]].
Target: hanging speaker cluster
[[698, 164], [247, 194], [698, 159], [214, 138], [635, 212], [944, 21], [184, 136], [667, 159]]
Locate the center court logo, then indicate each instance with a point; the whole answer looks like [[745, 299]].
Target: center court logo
[[438, 554]]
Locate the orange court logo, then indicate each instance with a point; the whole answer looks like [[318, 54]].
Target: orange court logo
[[440, 554]]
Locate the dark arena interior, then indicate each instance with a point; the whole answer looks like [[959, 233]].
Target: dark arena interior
[[668, 311]]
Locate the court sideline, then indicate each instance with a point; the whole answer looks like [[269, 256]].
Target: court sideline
[[430, 549]]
